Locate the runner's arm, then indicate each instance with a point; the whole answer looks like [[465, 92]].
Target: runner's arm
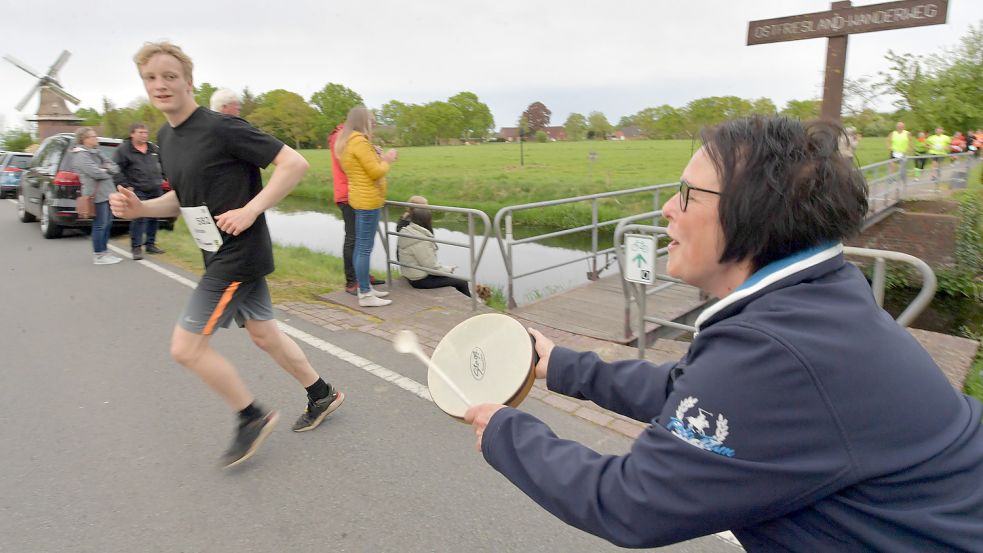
[[290, 167], [124, 203]]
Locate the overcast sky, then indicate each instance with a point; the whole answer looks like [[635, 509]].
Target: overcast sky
[[614, 56]]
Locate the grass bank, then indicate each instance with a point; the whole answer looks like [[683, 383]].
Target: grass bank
[[974, 382]]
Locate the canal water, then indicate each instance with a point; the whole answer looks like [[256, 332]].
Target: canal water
[[299, 223]]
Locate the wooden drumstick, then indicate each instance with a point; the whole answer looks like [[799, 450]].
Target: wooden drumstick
[[405, 342]]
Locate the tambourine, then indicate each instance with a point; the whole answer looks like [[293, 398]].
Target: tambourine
[[489, 358]]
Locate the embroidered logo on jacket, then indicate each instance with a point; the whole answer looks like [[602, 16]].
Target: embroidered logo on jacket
[[694, 429]]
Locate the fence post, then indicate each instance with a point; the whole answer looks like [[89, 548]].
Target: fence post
[[657, 206], [877, 282], [593, 240], [509, 297], [385, 244], [904, 177], [641, 338], [474, 269]]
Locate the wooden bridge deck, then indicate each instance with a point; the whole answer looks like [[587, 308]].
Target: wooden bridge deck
[[597, 309]]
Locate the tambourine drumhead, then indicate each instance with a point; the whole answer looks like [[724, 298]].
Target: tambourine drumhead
[[489, 357]]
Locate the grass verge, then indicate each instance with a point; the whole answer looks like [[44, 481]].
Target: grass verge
[[301, 274]]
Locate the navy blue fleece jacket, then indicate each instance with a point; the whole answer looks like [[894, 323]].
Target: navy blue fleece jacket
[[802, 418]]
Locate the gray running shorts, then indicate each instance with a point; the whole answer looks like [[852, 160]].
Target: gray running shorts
[[215, 303]]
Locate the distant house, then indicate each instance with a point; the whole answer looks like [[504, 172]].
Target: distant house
[[511, 134], [556, 133], [632, 133], [627, 133]]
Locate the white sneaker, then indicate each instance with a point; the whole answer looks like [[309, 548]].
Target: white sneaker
[[369, 300], [378, 293], [106, 259]]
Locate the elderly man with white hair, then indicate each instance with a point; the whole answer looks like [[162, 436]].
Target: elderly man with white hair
[[226, 101]]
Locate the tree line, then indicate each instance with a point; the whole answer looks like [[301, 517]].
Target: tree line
[[940, 89]]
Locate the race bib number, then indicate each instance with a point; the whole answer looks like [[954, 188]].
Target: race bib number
[[897, 155], [202, 227]]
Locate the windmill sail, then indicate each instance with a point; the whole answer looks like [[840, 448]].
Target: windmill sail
[[47, 81]]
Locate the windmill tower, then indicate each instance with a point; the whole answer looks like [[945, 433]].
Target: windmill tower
[[52, 116]]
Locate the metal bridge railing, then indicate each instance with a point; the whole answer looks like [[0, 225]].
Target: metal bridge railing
[[507, 240], [636, 294], [891, 181], [474, 253]]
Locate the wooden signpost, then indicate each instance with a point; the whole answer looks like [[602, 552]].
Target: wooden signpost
[[843, 20]]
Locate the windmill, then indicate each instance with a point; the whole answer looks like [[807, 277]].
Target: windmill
[[53, 116]]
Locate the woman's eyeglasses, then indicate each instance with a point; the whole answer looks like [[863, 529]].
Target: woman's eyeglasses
[[684, 189]]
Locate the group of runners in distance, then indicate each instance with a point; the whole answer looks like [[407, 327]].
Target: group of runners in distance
[[936, 146]]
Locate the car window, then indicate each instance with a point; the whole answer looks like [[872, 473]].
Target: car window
[[54, 158], [107, 150], [20, 162], [45, 152]]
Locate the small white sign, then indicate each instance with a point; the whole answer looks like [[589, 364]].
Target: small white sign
[[640, 258], [202, 227]]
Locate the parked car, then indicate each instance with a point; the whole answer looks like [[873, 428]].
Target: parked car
[[12, 165], [49, 187]]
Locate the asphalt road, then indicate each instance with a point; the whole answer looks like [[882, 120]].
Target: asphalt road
[[107, 445]]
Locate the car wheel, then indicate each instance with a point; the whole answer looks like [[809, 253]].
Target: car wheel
[[48, 228], [22, 213]]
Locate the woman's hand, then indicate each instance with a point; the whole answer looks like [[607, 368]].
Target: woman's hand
[[544, 347], [390, 156], [478, 416]]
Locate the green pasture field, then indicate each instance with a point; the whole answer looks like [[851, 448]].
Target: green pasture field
[[489, 176]]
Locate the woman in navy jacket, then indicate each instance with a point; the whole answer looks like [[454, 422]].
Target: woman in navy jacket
[[802, 418]]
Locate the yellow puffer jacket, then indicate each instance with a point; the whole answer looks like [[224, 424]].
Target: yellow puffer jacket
[[366, 173]]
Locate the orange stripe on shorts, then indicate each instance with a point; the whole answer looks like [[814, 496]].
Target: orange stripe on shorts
[[220, 308]]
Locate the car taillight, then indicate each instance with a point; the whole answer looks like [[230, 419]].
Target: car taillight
[[12, 170], [66, 178]]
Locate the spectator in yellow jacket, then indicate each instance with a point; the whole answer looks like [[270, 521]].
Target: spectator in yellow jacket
[[366, 168]]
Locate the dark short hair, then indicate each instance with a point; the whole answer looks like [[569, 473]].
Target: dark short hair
[[135, 126], [785, 187]]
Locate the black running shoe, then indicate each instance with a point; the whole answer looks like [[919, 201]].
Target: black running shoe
[[317, 410], [248, 439]]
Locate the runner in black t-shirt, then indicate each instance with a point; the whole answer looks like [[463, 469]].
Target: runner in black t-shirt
[[213, 162]]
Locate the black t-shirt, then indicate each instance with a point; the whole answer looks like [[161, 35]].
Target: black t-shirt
[[214, 160]]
